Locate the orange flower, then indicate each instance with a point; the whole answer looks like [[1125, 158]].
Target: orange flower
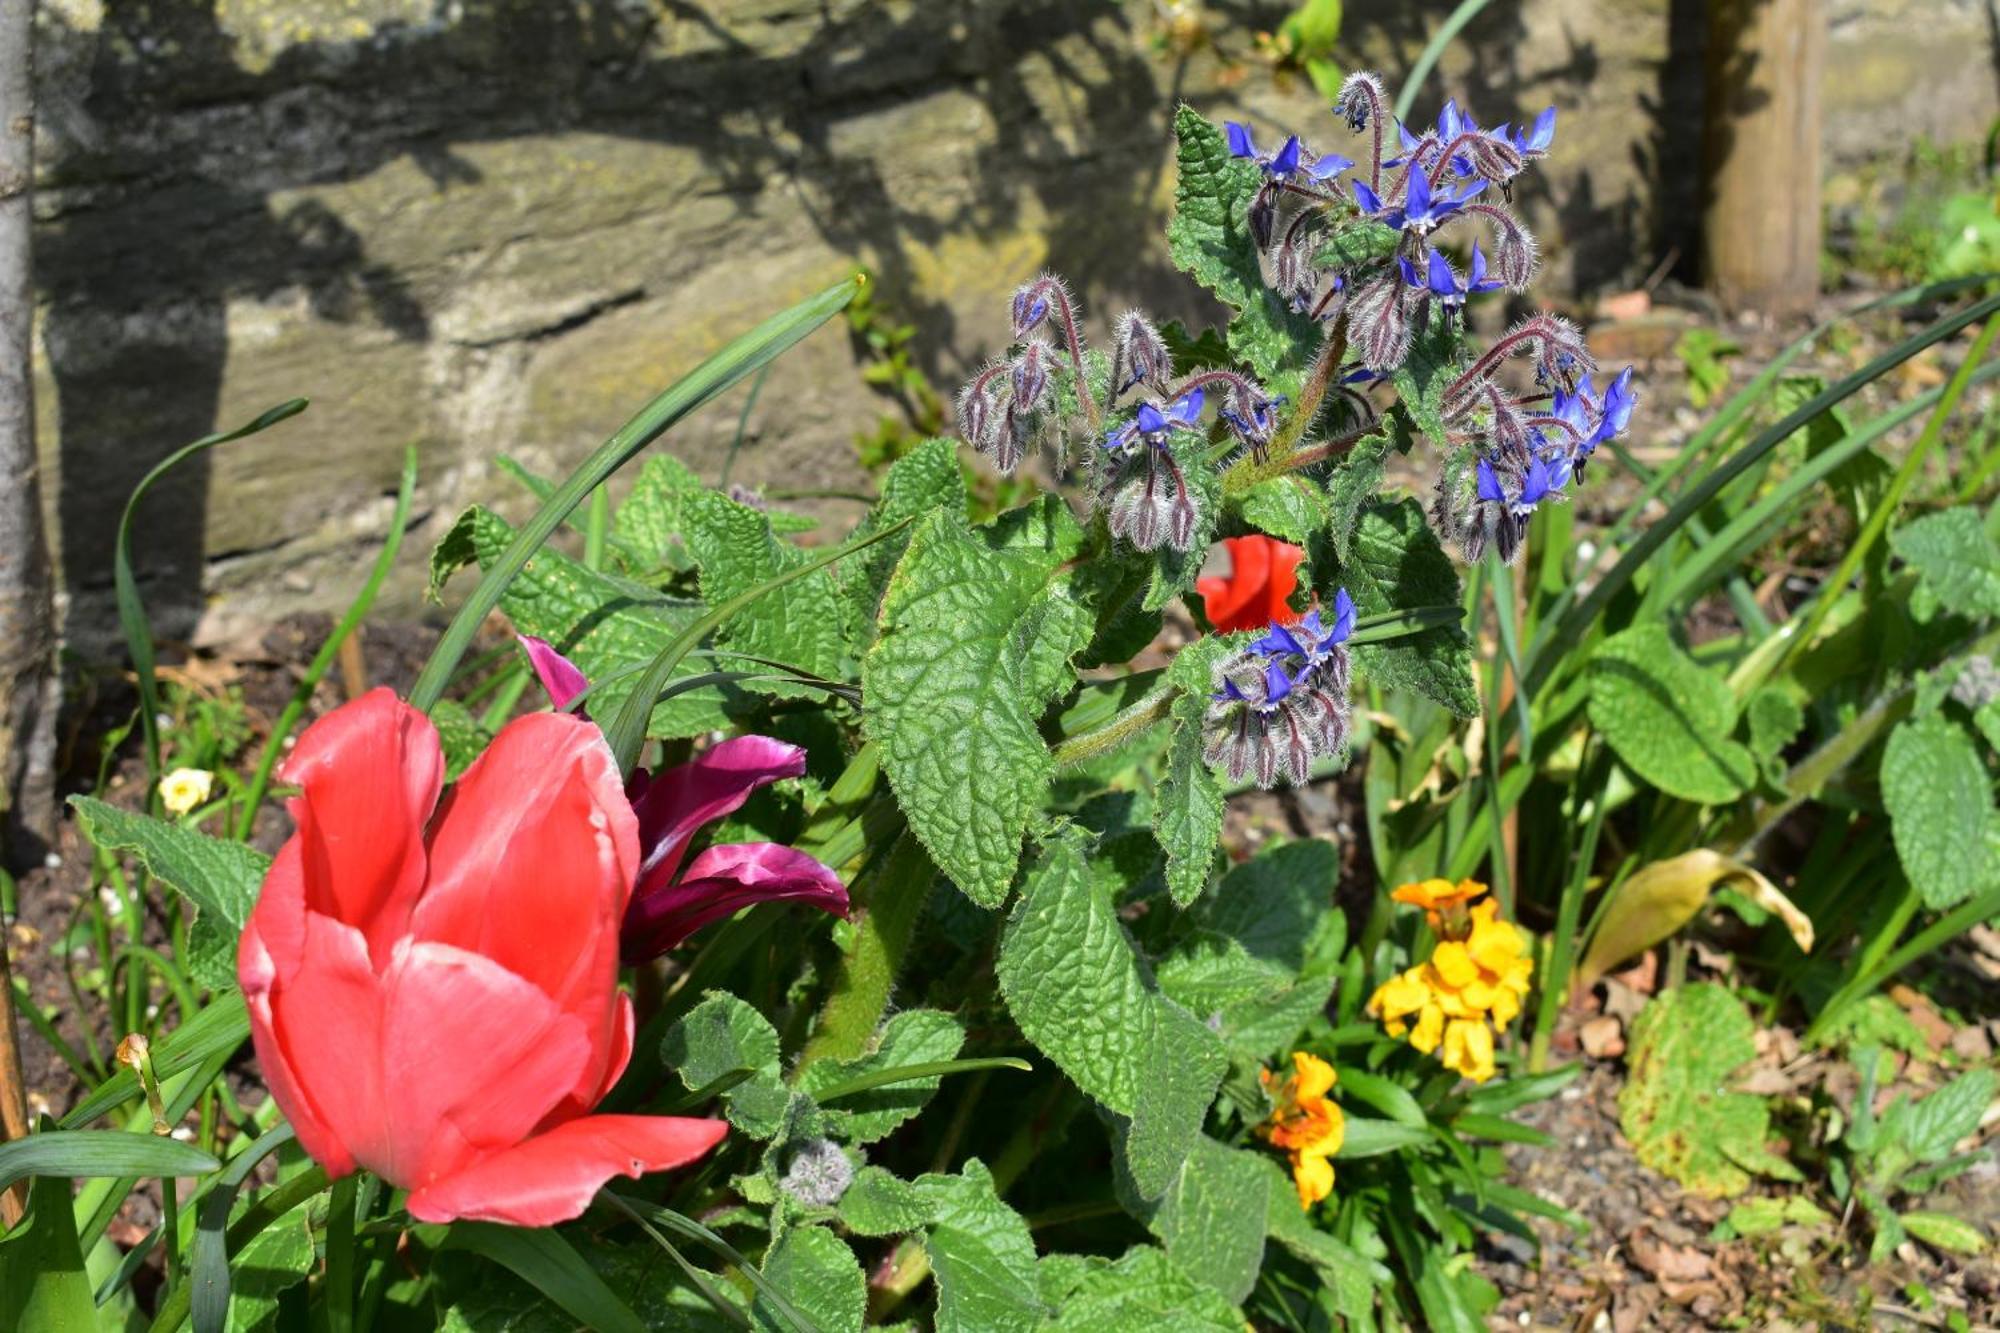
[[1441, 899], [1263, 574], [1305, 1124]]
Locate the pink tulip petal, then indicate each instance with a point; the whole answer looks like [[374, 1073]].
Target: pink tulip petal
[[560, 677], [257, 973], [552, 1177], [720, 882], [370, 773], [672, 806], [318, 1038], [475, 1058], [533, 855]]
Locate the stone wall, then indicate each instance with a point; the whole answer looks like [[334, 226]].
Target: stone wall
[[488, 226]]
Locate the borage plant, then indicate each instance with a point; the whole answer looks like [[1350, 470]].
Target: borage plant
[[1167, 1086]]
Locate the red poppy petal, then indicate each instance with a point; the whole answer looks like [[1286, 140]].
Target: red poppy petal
[[1284, 581], [721, 882], [370, 772], [475, 1058], [552, 1177], [532, 857]]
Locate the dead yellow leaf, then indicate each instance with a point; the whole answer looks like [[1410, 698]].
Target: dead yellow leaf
[[1664, 896]]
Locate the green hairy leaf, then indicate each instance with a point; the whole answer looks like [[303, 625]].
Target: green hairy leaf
[[1668, 719], [977, 631], [1941, 811], [221, 879], [1187, 818], [981, 1255], [818, 1274], [1142, 1292], [610, 628], [1210, 242], [914, 1037], [1957, 558], [1212, 1217], [718, 1038], [1393, 563], [1078, 992], [798, 624]]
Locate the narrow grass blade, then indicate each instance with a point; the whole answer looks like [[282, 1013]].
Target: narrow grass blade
[[551, 1265], [131, 609], [712, 377], [100, 1152]]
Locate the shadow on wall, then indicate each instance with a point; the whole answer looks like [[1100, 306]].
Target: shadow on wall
[[166, 170], [173, 162]]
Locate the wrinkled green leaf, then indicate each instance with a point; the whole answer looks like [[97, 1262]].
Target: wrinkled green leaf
[[981, 1255], [1142, 1292], [221, 879], [718, 1037], [1393, 563], [818, 1273], [914, 1037], [976, 637], [1957, 558], [1677, 1108], [1941, 813], [1210, 241], [799, 624], [1668, 719]]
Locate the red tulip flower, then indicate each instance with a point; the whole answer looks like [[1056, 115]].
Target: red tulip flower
[[1263, 574], [676, 897], [433, 983]]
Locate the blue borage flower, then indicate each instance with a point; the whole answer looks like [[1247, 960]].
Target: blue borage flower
[[1443, 283], [1291, 159], [1153, 424], [1421, 210], [1281, 702]]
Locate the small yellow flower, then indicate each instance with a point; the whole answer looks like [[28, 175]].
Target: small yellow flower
[[1306, 1124], [185, 788], [1471, 987]]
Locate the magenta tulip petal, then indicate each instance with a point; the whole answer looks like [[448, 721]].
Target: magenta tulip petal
[[552, 1177], [721, 882], [673, 805], [560, 677]]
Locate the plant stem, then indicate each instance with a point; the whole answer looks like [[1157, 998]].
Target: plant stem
[[884, 923], [1313, 392], [1120, 729], [1563, 943]]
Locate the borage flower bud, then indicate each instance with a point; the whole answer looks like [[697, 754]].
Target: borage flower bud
[[1360, 101], [978, 414], [819, 1174], [1378, 323], [1031, 374], [1139, 355], [1031, 305]]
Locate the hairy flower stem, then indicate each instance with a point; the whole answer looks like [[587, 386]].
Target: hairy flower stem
[[885, 917], [1074, 346], [1120, 729], [1250, 472], [1313, 392]]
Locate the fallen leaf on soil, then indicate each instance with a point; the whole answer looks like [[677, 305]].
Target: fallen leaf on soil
[[1602, 1037], [1932, 1024], [1972, 1045], [1621, 1001]]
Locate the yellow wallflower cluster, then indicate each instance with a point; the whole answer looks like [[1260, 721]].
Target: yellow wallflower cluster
[[1471, 988], [1305, 1124]]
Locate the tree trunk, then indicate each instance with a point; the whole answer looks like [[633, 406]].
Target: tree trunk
[[29, 688], [1761, 153]]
